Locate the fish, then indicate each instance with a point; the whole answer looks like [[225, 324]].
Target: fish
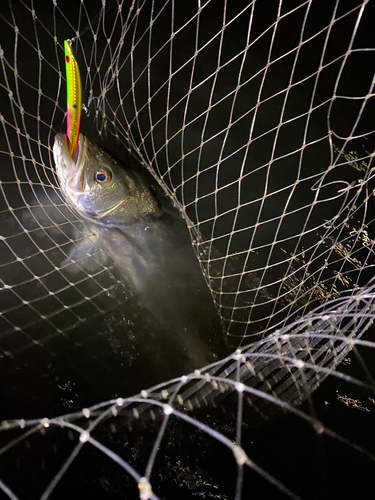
[[147, 240]]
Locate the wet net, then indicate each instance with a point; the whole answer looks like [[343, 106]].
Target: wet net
[[256, 120]]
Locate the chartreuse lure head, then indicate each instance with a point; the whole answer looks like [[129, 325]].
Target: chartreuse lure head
[[74, 97]]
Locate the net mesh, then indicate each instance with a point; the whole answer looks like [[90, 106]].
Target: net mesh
[[256, 120]]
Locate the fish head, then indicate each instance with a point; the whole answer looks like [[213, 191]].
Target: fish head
[[98, 187]]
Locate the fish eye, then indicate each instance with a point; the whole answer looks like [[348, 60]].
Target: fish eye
[[103, 176]]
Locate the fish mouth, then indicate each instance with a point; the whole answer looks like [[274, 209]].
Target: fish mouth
[[70, 170]]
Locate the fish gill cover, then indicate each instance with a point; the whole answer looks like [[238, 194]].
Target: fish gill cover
[[252, 125]]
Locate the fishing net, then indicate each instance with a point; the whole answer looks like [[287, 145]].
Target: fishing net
[[256, 119]]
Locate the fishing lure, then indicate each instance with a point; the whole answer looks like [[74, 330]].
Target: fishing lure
[[73, 97]]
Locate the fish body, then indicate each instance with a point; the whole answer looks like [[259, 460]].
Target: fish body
[[151, 249]]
